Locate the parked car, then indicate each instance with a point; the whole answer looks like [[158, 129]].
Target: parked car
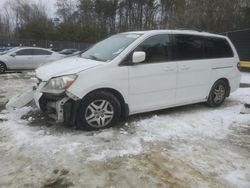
[[137, 72], [68, 51], [56, 49], [26, 58]]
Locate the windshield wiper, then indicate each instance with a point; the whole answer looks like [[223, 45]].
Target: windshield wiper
[[94, 58]]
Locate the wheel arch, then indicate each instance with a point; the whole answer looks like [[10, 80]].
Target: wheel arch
[[119, 96], [227, 82]]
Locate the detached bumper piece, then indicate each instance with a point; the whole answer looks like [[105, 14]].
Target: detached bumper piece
[[60, 108]]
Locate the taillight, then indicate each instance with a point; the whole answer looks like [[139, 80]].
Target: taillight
[[238, 66]]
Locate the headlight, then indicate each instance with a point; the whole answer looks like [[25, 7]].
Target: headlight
[[59, 84]]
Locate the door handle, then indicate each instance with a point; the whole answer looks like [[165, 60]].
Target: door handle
[[184, 67], [169, 69]]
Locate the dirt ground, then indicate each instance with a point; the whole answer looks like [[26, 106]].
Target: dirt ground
[[190, 146]]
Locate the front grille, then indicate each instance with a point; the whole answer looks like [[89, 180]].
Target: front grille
[[51, 97]]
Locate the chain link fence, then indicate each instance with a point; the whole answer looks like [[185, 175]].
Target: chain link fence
[[44, 44]]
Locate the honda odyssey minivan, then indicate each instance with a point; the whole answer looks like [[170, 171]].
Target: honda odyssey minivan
[[137, 72]]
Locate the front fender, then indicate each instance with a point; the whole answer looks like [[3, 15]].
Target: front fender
[[115, 78]]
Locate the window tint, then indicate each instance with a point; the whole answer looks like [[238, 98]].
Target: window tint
[[24, 52], [189, 47], [217, 48], [41, 52], [157, 48]]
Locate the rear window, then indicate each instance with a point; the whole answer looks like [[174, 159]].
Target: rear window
[[41, 52], [189, 47], [192, 47], [217, 48]]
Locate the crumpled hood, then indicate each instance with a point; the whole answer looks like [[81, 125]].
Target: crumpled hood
[[67, 66]]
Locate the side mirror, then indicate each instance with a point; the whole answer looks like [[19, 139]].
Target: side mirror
[[13, 55], [139, 57]]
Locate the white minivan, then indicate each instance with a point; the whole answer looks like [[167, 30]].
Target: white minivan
[[137, 72]]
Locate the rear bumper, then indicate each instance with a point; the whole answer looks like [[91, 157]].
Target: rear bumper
[[234, 83]]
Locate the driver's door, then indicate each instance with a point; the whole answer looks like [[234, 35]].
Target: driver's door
[[41, 57], [152, 84], [21, 59]]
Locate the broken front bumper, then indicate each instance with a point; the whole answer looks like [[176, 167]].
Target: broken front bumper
[[61, 108]]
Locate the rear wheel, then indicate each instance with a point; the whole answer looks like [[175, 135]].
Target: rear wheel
[[2, 68], [218, 93], [98, 110]]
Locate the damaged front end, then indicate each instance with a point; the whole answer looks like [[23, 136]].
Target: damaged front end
[[53, 99], [60, 108]]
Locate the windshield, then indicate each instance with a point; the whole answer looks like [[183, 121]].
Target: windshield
[[110, 48], [9, 50]]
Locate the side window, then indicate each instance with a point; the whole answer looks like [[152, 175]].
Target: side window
[[189, 47], [217, 48], [24, 52], [157, 48], [41, 52]]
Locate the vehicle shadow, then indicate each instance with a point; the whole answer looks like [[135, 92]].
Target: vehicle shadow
[[186, 109], [12, 72]]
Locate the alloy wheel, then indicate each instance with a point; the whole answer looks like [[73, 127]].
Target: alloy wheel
[[219, 94], [99, 113]]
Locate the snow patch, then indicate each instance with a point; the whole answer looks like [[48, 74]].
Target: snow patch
[[245, 77], [196, 124], [239, 178], [188, 123]]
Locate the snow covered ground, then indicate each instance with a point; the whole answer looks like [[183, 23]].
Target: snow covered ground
[[190, 146], [245, 77], [15, 83]]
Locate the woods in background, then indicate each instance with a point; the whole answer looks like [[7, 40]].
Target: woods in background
[[92, 20]]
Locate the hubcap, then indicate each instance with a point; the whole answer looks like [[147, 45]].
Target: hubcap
[[219, 94], [99, 113]]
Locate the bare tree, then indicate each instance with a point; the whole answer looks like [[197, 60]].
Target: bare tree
[[67, 10], [91, 20]]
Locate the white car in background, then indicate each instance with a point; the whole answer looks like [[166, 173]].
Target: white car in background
[[26, 58]]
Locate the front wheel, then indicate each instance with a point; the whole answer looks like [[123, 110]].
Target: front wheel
[[2, 68], [217, 94], [98, 110]]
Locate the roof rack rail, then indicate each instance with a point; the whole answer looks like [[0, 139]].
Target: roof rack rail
[[198, 30]]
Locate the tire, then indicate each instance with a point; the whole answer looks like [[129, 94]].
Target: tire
[[2, 68], [217, 94], [98, 110]]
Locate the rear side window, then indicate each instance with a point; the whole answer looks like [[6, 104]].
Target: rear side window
[[217, 48], [157, 48], [189, 47], [24, 52], [41, 52]]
